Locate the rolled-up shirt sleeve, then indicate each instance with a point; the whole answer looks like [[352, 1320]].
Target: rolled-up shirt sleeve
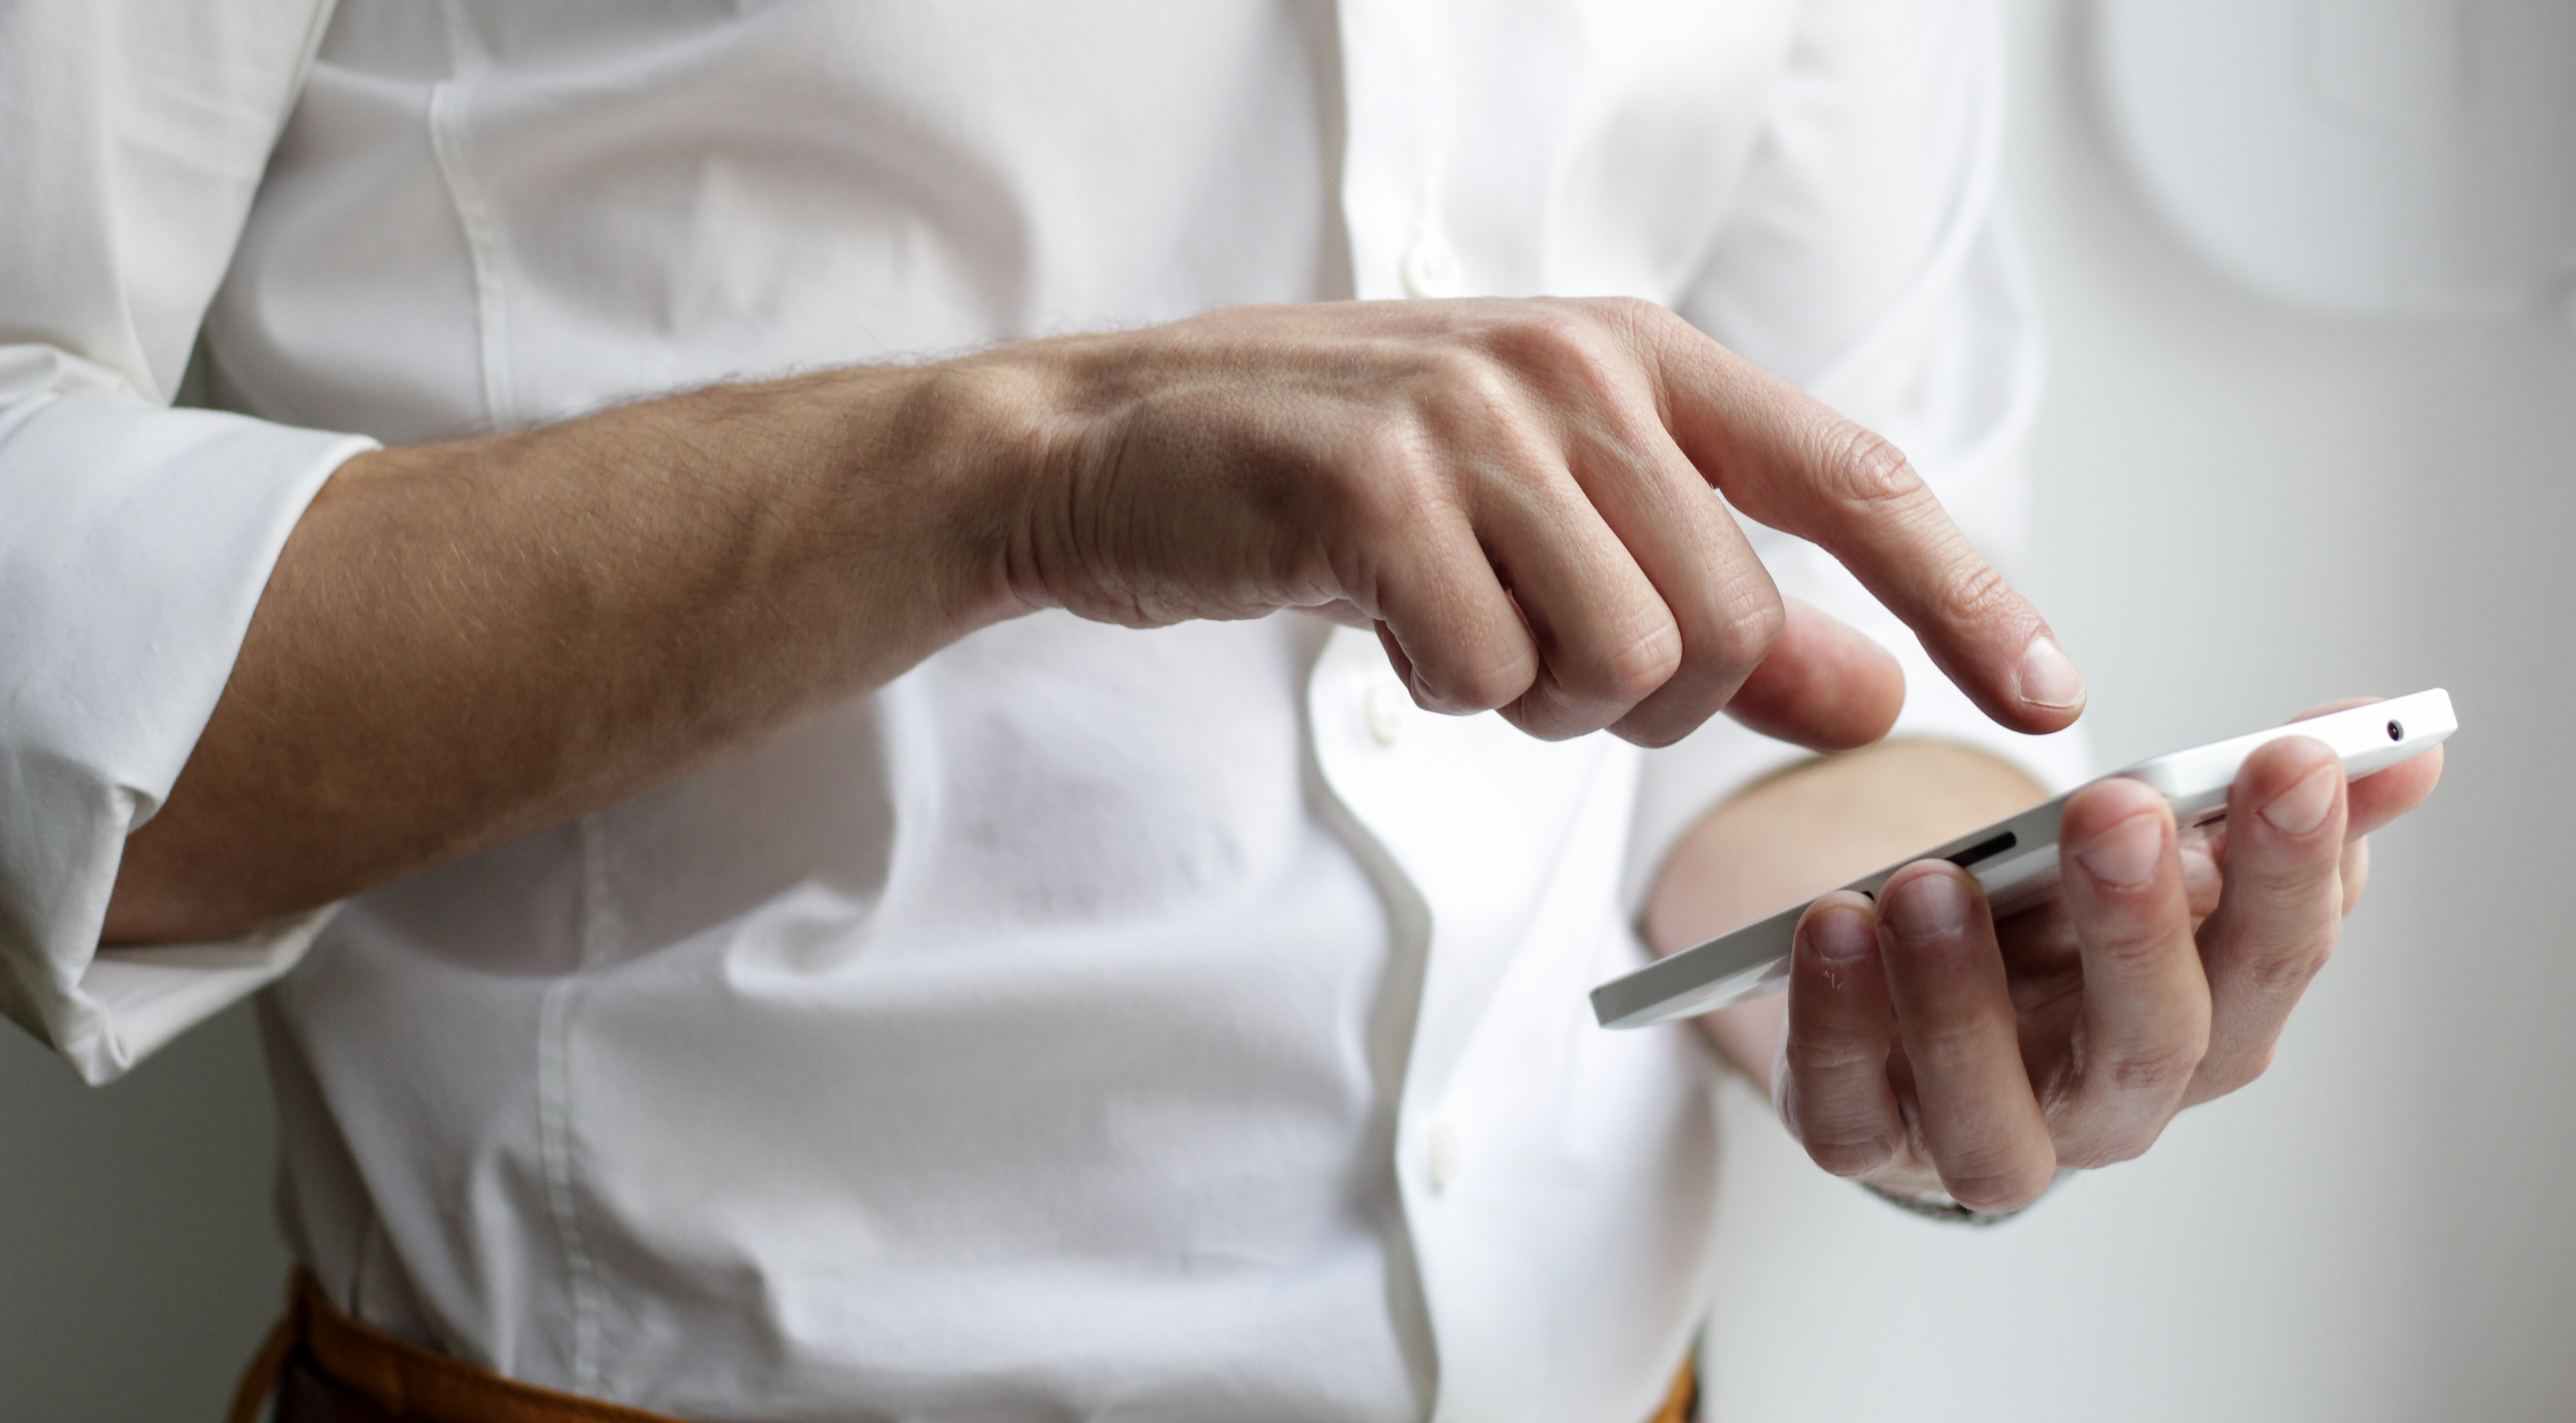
[[135, 539], [1867, 258]]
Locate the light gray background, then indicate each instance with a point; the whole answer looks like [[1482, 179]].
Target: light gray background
[[2244, 510]]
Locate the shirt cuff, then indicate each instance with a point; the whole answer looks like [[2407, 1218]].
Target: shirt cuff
[[137, 544]]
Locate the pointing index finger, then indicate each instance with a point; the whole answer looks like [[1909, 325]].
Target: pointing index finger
[[1789, 461]]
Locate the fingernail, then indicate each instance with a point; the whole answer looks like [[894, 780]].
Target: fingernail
[[2125, 854], [2302, 808], [2048, 675], [1927, 907], [1840, 934]]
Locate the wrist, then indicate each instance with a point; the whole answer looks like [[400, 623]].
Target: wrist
[[935, 474], [1009, 433]]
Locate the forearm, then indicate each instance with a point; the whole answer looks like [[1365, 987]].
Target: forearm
[[462, 643], [1805, 831]]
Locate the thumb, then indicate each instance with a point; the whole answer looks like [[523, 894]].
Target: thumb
[[1825, 686]]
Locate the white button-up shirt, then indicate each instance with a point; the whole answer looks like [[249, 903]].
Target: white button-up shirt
[[1093, 1022]]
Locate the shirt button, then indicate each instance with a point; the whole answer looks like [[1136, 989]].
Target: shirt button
[[1430, 269], [1383, 707], [1443, 1161]]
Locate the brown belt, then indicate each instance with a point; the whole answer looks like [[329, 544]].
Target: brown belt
[[324, 1367]]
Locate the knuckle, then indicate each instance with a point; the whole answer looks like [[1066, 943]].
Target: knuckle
[[1635, 312], [1647, 325], [1476, 686], [2289, 972], [1484, 389], [1464, 392], [1867, 467], [2163, 1069], [1633, 671], [1975, 594], [1572, 355], [1948, 1037], [1746, 629], [1550, 328], [1844, 1142], [2133, 949], [1486, 683], [1642, 323], [1809, 1056]]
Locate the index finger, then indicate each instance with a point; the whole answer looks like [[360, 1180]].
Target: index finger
[[1786, 459]]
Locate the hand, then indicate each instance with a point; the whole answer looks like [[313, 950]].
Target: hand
[[1516, 495], [1930, 1047]]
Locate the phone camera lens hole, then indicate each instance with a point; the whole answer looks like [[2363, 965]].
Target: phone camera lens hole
[[2397, 731]]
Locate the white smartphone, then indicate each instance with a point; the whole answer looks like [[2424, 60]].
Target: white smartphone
[[2015, 859]]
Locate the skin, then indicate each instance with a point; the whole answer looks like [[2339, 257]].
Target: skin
[[1926, 1048], [463, 643]]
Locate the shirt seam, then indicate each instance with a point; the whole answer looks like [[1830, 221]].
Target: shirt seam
[[555, 1124], [478, 220]]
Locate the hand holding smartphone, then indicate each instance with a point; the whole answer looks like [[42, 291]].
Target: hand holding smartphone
[[2015, 860]]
